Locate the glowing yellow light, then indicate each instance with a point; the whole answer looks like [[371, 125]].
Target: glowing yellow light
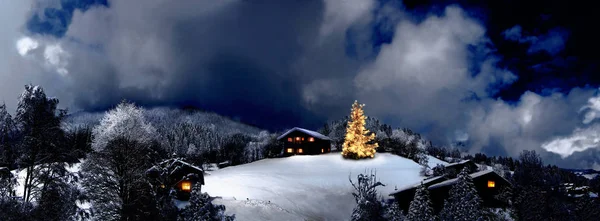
[[491, 184], [290, 139], [312, 139], [290, 150], [297, 138], [322, 150], [186, 185], [300, 150]]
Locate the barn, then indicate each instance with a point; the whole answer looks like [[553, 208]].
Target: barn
[[300, 141], [487, 183]]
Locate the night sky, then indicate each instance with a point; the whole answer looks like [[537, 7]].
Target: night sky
[[500, 76]]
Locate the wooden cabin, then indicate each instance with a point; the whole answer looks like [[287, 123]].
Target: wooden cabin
[[405, 195], [299, 141], [487, 183], [176, 177], [454, 168]]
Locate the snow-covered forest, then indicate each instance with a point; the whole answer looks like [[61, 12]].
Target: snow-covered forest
[[56, 165]]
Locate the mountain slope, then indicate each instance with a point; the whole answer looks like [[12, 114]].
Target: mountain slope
[[304, 187]]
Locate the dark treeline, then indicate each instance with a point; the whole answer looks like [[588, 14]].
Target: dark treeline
[[537, 193], [43, 143]]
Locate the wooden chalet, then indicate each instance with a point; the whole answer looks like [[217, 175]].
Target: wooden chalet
[[487, 183], [458, 166], [177, 177], [299, 141]]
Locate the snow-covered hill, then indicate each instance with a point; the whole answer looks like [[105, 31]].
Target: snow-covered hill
[[303, 187]]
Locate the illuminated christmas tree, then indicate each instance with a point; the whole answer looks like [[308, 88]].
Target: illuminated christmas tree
[[358, 143]]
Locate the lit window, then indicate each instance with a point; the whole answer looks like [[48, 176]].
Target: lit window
[[298, 138], [312, 139], [162, 186], [300, 150], [322, 150], [186, 186], [303, 139], [290, 139], [491, 184], [290, 150]]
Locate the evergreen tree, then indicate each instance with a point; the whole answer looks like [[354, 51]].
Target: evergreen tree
[[420, 208], [529, 200], [357, 144], [38, 121], [368, 207], [587, 209], [7, 137], [394, 213], [7, 183], [201, 208], [463, 203], [58, 196]]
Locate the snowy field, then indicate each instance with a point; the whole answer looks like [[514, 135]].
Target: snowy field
[[303, 187]]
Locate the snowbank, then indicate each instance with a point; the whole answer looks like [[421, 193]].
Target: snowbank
[[307, 187]]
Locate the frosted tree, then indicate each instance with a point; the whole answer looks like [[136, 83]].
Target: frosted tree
[[368, 207], [126, 121], [114, 173], [358, 143], [420, 208], [201, 208], [463, 203]]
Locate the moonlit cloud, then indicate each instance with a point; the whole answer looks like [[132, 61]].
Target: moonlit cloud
[[26, 44], [592, 110], [581, 140], [57, 57]]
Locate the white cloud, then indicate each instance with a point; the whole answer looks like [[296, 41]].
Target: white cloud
[[592, 110], [26, 44], [57, 58], [581, 139]]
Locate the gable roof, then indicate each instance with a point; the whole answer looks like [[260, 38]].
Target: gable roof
[[309, 132], [416, 185], [473, 176], [458, 163]]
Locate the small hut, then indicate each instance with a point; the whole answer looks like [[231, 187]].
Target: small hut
[[300, 141], [177, 177]]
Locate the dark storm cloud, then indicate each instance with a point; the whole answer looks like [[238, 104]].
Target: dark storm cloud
[[298, 63], [552, 42], [232, 57]]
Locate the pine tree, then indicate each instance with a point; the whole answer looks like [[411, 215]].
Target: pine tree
[[368, 207], [7, 137], [420, 208], [201, 208], [394, 213], [464, 203], [357, 144], [38, 120]]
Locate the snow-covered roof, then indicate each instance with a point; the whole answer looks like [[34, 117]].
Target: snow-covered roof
[[181, 162], [309, 132], [416, 185], [458, 163], [473, 175]]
